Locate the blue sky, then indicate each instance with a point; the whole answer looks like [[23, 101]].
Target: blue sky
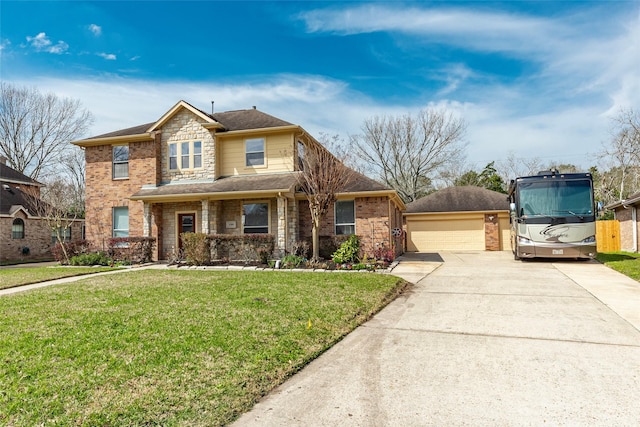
[[531, 79]]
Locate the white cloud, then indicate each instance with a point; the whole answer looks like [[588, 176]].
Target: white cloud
[[479, 30], [42, 43], [318, 104], [107, 56], [95, 29]]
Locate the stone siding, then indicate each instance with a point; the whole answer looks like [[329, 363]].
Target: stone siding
[[184, 126]]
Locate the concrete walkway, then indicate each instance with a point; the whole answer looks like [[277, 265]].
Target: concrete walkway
[[480, 340]]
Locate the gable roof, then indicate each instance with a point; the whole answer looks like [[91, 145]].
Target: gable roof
[[12, 197], [8, 174], [228, 121], [460, 199]]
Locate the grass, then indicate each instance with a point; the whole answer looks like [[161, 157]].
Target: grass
[[625, 262], [167, 347], [12, 277]]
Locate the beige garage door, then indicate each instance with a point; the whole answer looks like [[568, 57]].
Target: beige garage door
[[429, 233]]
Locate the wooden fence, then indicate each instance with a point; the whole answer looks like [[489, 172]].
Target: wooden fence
[[608, 235]]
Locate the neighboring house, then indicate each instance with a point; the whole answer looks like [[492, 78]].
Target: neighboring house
[[458, 218], [627, 213], [224, 173], [25, 235]]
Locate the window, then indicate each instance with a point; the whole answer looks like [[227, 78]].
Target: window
[[121, 221], [189, 153], [197, 154], [254, 149], [173, 156], [17, 229], [345, 217], [255, 218], [184, 155], [65, 234], [120, 161]]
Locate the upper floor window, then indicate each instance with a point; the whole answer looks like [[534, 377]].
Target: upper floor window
[[184, 155], [120, 161], [121, 221], [254, 152], [255, 218], [197, 154], [189, 154], [173, 156], [17, 229], [345, 217]]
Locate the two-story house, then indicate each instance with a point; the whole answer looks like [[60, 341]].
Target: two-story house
[[224, 173]]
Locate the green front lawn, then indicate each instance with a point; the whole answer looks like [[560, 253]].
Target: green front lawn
[[11, 277], [167, 347], [625, 262]]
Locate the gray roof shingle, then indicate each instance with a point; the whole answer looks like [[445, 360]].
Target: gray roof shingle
[[231, 120], [460, 199]]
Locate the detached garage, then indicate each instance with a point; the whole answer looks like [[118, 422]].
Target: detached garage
[[458, 218]]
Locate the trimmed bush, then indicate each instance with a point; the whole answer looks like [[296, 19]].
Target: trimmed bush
[[132, 250], [241, 247], [195, 247]]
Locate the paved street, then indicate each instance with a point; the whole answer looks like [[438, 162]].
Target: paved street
[[480, 339]]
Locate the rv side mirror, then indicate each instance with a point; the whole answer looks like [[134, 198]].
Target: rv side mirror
[[512, 207]]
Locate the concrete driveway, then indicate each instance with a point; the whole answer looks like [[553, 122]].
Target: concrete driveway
[[480, 339]]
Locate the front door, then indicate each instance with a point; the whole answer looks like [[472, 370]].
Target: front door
[[186, 224]]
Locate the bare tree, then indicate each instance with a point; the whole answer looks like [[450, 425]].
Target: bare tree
[[406, 152], [321, 176], [513, 167], [35, 128], [623, 151], [57, 208]]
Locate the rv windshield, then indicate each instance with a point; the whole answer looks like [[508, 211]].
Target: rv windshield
[[556, 198]]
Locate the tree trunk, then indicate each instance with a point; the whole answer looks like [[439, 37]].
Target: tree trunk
[[315, 239]]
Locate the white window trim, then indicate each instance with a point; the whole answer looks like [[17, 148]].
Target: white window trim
[[178, 157], [252, 202], [264, 153], [113, 221], [335, 217], [114, 163]]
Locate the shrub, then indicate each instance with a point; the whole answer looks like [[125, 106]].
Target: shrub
[[195, 248], [348, 252], [134, 250], [241, 247], [330, 244], [89, 259], [301, 248], [292, 261], [73, 248], [264, 254]]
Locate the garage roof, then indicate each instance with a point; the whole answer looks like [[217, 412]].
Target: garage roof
[[459, 199]]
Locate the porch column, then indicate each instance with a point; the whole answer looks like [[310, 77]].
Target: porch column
[[215, 213], [281, 235], [205, 217], [146, 220]]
